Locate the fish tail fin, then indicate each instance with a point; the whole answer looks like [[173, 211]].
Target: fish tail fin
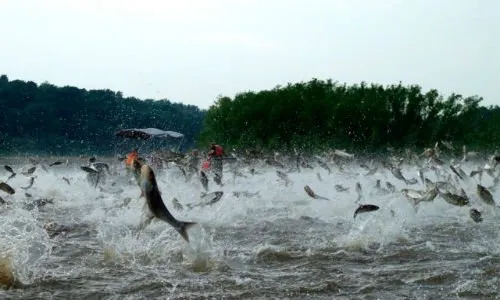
[[184, 228]]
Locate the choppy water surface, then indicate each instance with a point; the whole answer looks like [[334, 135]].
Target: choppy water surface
[[281, 244]]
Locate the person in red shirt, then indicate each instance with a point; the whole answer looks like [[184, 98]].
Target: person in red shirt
[[216, 156], [216, 150]]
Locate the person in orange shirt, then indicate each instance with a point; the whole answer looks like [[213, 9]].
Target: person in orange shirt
[[134, 155]]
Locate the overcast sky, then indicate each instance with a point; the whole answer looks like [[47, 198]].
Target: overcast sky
[[193, 51]]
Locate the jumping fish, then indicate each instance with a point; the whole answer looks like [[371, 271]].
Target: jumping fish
[[6, 188], [475, 215], [364, 208], [312, 194], [10, 170], [454, 199], [319, 176], [284, 177], [341, 188], [324, 165], [456, 172], [56, 163], [30, 171], [214, 197], [157, 208], [30, 184], [246, 194], [359, 191], [485, 195], [397, 173]]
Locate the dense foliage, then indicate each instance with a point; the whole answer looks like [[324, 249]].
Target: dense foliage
[[308, 115], [47, 119], [319, 114]]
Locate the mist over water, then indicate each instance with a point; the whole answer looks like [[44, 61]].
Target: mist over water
[[278, 244]]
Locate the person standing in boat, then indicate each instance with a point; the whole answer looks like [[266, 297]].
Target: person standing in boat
[[134, 155], [216, 156]]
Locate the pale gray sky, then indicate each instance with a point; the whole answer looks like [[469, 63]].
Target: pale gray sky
[[192, 51]]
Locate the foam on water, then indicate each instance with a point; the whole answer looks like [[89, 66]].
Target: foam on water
[[243, 235]]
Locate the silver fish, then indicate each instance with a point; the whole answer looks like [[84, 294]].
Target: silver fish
[[6, 188], [215, 197], [478, 172], [365, 208], [412, 181], [341, 188], [454, 199], [359, 191], [324, 166], [100, 166], [412, 195], [177, 204], [312, 194], [456, 172], [416, 196], [390, 187], [204, 180], [485, 195], [11, 176], [157, 208], [319, 176], [29, 171], [397, 173], [342, 153], [421, 175], [371, 171], [475, 215], [30, 184], [38, 203], [89, 169], [9, 169], [429, 195], [284, 177], [245, 194]]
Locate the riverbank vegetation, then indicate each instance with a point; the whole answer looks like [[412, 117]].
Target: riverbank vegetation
[[47, 119], [314, 115], [361, 117]]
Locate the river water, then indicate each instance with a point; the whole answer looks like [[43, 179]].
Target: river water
[[280, 244]]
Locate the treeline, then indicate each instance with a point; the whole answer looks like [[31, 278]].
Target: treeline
[[47, 119], [320, 114], [312, 115]]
